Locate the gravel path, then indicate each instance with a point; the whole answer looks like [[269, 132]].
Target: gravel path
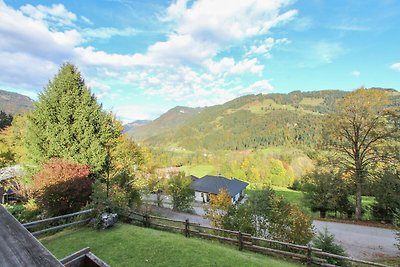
[[362, 242]]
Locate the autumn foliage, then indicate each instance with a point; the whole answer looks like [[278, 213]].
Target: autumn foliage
[[218, 207], [62, 187]]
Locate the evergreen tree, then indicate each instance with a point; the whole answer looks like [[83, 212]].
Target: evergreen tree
[[68, 123], [5, 120]]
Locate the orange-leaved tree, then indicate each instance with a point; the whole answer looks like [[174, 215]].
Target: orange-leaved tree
[[62, 187]]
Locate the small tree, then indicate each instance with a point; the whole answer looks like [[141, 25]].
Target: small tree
[[218, 207], [325, 190], [5, 120], [326, 241], [269, 216], [181, 191], [239, 218], [62, 187], [387, 195]]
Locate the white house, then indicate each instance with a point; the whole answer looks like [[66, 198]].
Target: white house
[[208, 185]]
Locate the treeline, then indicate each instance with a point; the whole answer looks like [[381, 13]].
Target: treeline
[[270, 167]]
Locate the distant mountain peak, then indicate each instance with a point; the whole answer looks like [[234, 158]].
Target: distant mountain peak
[[14, 103]]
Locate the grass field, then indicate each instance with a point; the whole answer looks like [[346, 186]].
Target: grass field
[[198, 170], [128, 245]]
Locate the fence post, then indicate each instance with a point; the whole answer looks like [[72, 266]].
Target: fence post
[[187, 232], [146, 220], [240, 239], [309, 258]]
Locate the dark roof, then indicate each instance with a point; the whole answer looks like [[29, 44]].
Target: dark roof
[[212, 184], [18, 247], [194, 178]]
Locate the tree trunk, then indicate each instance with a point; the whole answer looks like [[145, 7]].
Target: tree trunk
[[322, 214], [358, 199]]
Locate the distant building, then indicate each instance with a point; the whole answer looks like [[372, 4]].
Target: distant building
[[211, 185]]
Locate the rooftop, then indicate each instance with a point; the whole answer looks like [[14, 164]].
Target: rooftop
[[213, 184]]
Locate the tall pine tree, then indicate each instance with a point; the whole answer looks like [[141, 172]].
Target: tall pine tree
[[68, 123]]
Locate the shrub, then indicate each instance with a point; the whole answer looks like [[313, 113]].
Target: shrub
[[62, 187], [269, 216], [326, 241], [24, 212], [387, 196]]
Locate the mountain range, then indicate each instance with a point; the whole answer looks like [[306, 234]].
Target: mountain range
[[247, 122], [14, 103]]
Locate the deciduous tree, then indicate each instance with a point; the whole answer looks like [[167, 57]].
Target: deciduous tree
[[358, 130], [62, 187], [181, 191], [218, 207]]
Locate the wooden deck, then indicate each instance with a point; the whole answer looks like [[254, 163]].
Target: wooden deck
[[18, 247]]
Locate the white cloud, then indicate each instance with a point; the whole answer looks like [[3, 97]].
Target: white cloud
[[350, 27], [395, 66], [262, 86], [302, 24], [56, 14], [107, 32], [145, 111], [15, 71], [265, 47], [22, 34], [86, 20], [89, 56], [356, 73], [186, 67], [228, 66], [325, 52]]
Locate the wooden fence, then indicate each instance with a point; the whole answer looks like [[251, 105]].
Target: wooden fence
[[52, 224], [307, 254]]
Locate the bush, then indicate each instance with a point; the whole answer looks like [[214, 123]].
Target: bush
[[62, 187], [24, 212], [387, 196], [269, 216], [326, 241]]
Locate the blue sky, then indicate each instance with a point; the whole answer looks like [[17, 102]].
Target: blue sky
[[141, 58]]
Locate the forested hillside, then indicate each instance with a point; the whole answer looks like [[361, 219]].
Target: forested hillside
[[170, 120], [13, 103], [247, 122]]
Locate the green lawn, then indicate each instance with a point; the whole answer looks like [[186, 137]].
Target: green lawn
[[128, 245], [295, 197], [198, 170]]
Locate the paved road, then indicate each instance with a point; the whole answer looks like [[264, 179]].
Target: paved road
[[362, 242]]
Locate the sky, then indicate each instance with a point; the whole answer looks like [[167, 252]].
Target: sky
[[141, 58]]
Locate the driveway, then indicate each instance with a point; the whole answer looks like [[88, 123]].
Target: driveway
[[362, 242]]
